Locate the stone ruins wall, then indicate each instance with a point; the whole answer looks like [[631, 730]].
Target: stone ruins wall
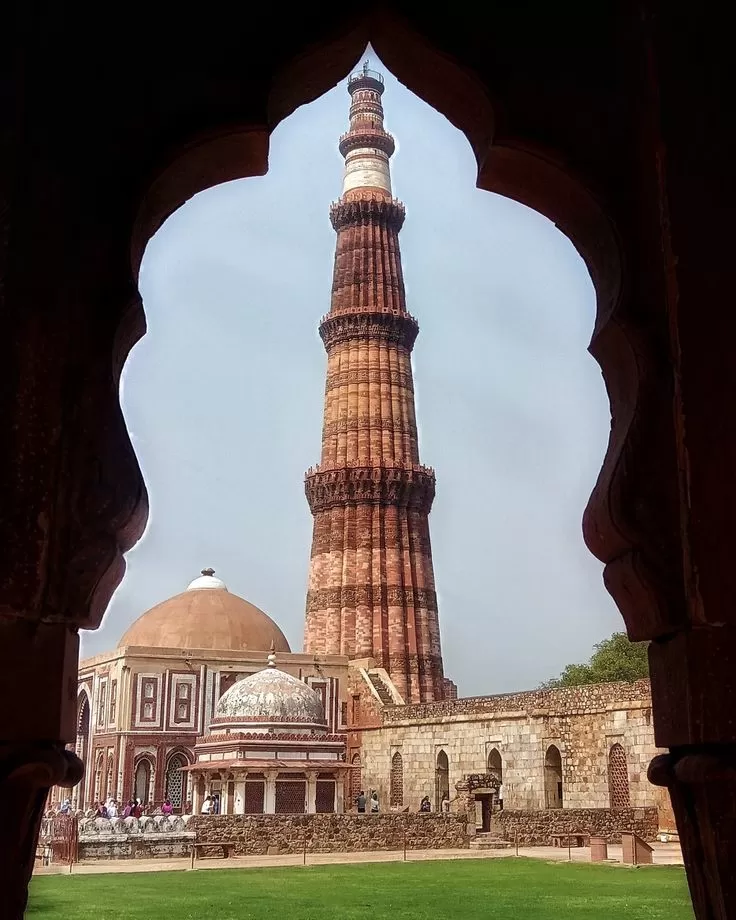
[[536, 828], [583, 722], [271, 834]]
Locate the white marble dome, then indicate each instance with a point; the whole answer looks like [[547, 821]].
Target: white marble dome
[[270, 700]]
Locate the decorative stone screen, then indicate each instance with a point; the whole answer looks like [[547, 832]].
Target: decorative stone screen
[[325, 796], [254, 794], [618, 778], [291, 796], [176, 780], [396, 797], [356, 778]]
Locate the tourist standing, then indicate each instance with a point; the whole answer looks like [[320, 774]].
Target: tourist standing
[[360, 802], [375, 807], [207, 805], [112, 808], [128, 810], [167, 808], [137, 810], [425, 805]]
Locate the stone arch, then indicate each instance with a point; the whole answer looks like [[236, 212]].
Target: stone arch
[[553, 777], [356, 777], [441, 779], [143, 778], [618, 778], [81, 793], [396, 795], [495, 764]]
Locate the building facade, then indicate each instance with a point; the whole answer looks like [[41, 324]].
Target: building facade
[[142, 707], [371, 581]]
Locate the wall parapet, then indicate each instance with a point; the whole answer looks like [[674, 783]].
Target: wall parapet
[[562, 701]]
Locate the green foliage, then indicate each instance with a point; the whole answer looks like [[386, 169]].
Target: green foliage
[[616, 658], [457, 889]]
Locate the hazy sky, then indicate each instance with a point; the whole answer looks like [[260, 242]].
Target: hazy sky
[[223, 397]]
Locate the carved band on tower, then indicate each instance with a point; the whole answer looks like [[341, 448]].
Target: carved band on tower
[[371, 581]]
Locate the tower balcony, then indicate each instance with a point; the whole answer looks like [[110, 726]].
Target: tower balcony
[[367, 137], [403, 485], [357, 323], [365, 79]]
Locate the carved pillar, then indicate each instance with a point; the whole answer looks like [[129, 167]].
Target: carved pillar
[[668, 483], [311, 792], [269, 797]]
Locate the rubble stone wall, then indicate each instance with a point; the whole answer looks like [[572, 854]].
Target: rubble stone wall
[[256, 835], [536, 828]]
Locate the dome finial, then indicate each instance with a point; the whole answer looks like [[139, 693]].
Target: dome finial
[[208, 571], [272, 656]]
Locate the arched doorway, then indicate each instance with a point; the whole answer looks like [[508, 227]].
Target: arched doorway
[[142, 781], [618, 778], [396, 796], [176, 781], [441, 780], [553, 777]]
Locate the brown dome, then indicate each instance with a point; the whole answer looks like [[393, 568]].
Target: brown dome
[[206, 616]]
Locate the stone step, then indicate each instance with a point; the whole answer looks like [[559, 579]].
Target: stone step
[[488, 842]]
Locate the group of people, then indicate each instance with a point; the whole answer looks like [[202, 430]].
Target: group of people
[[364, 804], [134, 809]]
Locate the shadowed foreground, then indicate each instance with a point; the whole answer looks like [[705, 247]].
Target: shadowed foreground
[[501, 888]]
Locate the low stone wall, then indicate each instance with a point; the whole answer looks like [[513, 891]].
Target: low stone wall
[[257, 835], [536, 828], [130, 838]]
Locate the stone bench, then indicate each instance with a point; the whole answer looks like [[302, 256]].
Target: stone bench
[[227, 848], [571, 839]]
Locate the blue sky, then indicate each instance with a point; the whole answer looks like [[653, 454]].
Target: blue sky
[[223, 397]]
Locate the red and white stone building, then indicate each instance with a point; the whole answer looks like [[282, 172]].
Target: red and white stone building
[[143, 706]]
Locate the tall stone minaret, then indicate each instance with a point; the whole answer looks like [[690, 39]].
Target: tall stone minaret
[[371, 581]]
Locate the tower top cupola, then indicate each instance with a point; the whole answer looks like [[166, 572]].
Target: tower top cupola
[[366, 146]]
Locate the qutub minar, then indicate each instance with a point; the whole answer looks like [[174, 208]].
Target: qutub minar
[[371, 582]]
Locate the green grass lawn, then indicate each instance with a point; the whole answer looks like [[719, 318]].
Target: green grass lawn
[[513, 889]]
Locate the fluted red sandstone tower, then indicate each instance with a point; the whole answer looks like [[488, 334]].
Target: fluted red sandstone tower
[[371, 582]]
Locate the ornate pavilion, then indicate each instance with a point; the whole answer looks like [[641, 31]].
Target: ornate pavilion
[[270, 750]]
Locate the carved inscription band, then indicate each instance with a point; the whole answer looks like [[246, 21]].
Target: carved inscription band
[[382, 596]]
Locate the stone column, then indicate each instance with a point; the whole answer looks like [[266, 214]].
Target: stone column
[[196, 798], [311, 792], [340, 795], [269, 798], [239, 797]]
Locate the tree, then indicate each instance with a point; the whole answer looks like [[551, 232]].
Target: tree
[[616, 658]]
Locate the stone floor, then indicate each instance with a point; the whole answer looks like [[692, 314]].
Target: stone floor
[[665, 854]]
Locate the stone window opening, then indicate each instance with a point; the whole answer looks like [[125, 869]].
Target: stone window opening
[[618, 778], [495, 764], [441, 780], [291, 797], [553, 777], [396, 795]]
